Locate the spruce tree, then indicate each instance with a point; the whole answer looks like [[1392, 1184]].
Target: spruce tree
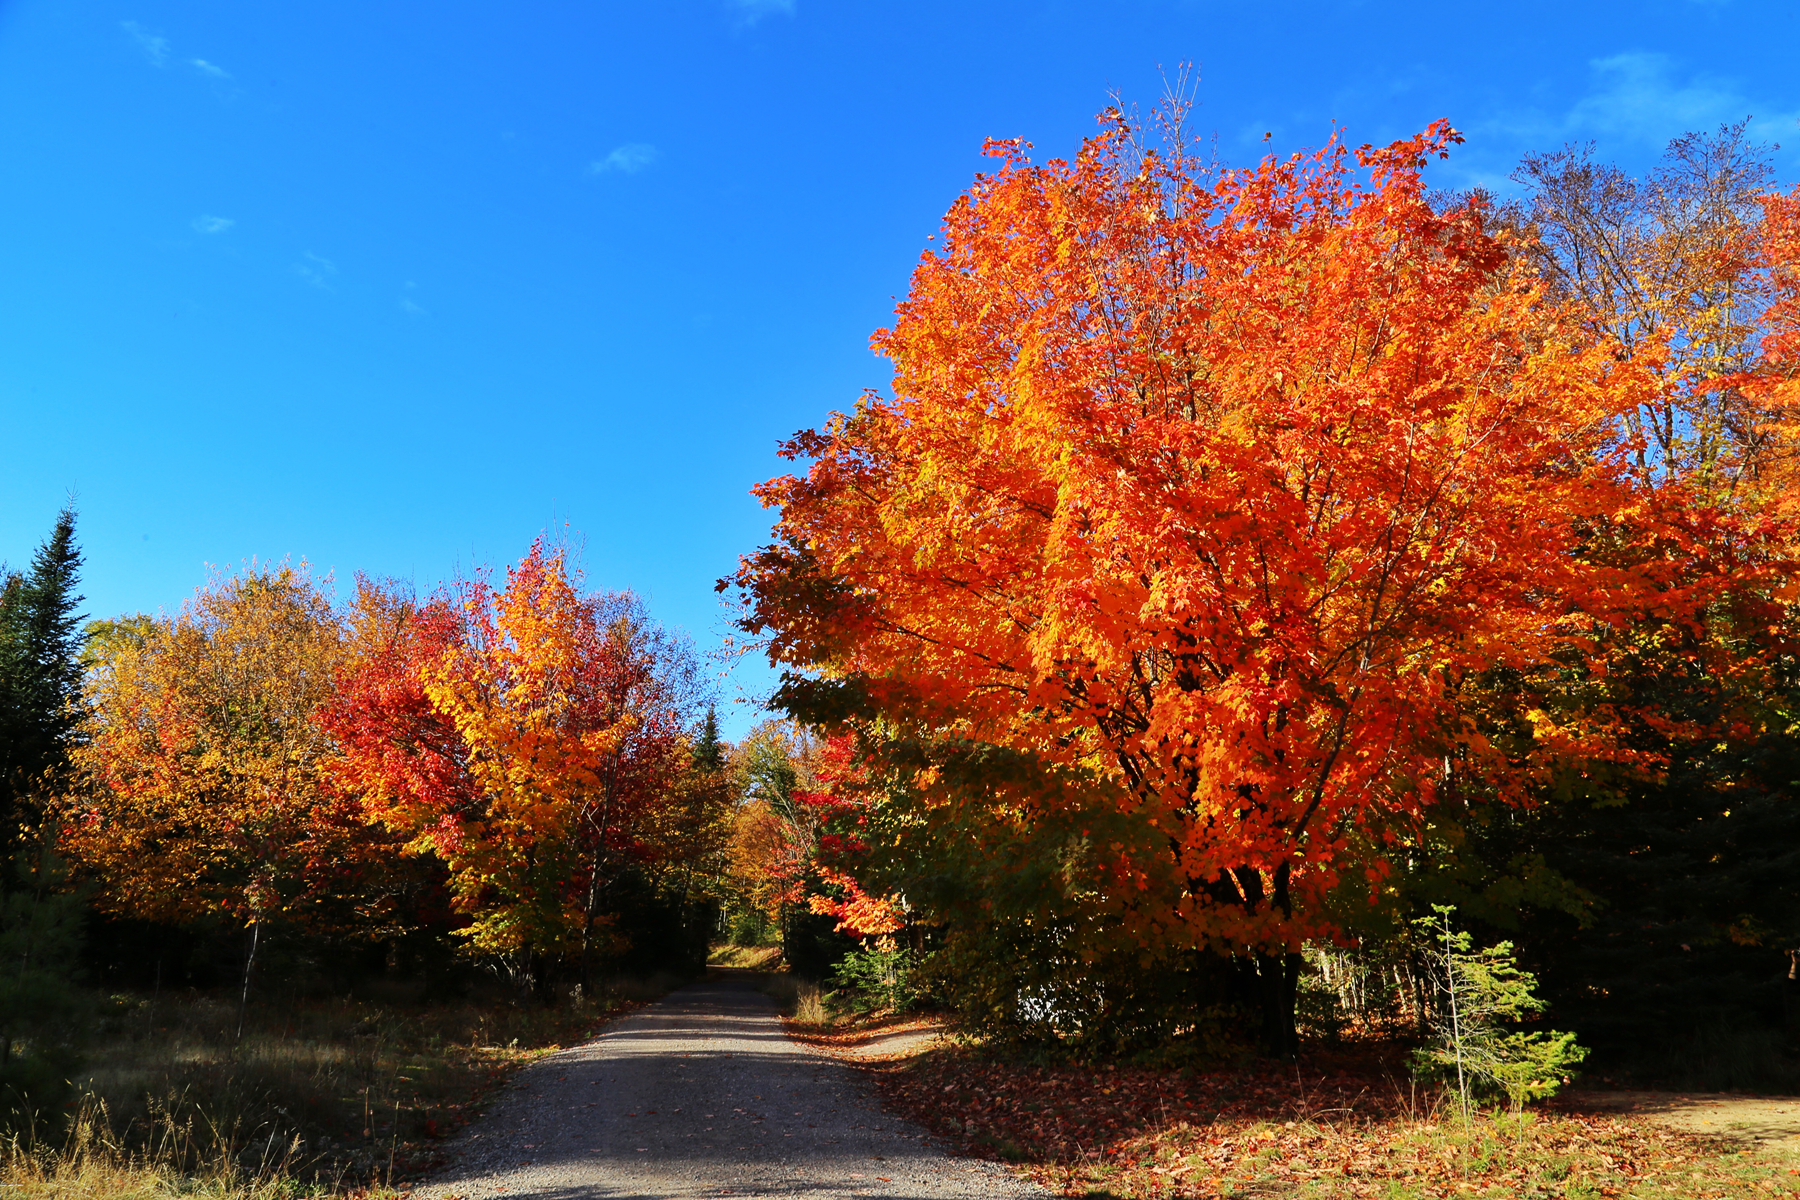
[[41, 1011], [709, 752], [40, 676]]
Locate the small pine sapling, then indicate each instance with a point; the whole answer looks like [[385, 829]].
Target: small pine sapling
[[1480, 991]]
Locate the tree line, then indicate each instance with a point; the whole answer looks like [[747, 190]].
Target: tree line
[[511, 765]]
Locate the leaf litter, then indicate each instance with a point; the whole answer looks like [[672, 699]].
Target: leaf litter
[[1271, 1131]]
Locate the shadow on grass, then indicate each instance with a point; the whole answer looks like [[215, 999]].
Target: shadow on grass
[[318, 1095]]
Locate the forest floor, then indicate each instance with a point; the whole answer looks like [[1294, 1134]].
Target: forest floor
[[352, 1098], [1768, 1122], [1336, 1127]]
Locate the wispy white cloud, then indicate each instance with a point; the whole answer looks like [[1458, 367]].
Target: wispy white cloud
[[316, 271], [207, 223], [1640, 96], [158, 52], [155, 49], [628, 159], [410, 308], [1634, 104], [749, 12], [1643, 98]]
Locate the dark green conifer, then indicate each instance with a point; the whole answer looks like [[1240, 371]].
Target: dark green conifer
[[709, 751], [40, 677]]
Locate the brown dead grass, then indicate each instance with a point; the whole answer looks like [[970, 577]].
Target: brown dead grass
[[334, 1097]]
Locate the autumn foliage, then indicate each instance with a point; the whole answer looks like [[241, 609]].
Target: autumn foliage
[[1241, 561], [1266, 510], [1775, 385], [1215, 491], [522, 735], [209, 781], [493, 759]]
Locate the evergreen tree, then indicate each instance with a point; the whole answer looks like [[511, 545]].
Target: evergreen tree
[[40, 676], [709, 751], [1661, 911], [1684, 971]]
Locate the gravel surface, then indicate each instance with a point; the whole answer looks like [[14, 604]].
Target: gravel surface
[[702, 1094]]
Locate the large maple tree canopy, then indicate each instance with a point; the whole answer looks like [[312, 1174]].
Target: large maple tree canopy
[[1217, 487]]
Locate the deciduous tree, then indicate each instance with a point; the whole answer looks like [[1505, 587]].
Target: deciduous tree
[[529, 735], [1773, 383], [203, 786], [1211, 492], [1667, 268]]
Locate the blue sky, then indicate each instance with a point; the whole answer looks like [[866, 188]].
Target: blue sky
[[396, 287]]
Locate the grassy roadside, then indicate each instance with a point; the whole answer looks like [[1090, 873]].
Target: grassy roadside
[[749, 958], [1326, 1131], [801, 1000], [318, 1097]]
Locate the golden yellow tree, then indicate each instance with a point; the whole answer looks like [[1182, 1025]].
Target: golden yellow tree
[[203, 774], [1667, 268]]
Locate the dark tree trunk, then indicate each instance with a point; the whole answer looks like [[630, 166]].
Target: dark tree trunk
[[543, 987], [595, 890], [1790, 999], [1278, 986], [1271, 976]]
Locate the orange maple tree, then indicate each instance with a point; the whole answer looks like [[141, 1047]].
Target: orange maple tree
[[528, 735], [1214, 491]]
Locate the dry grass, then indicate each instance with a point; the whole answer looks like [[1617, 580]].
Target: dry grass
[[809, 1005], [750, 958], [323, 1097], [90, 1165], [801, 1000]]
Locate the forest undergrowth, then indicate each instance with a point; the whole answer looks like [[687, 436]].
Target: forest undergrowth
[[325, 1097]]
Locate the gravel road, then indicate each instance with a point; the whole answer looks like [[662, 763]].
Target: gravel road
[[702, 1094]]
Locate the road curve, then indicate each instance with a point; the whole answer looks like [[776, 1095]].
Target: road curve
[[702, 1094]]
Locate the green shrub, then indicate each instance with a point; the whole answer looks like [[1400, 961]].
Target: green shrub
[[1073, 989]]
